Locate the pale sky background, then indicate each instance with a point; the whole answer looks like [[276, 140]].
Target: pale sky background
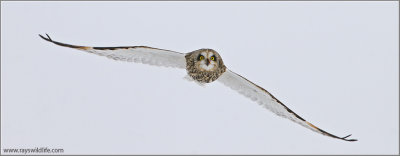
[[333, 63]]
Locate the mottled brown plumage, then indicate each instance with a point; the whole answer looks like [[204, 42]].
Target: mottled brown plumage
[[202, 75]]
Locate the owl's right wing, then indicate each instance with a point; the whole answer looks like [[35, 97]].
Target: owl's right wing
[[266, 99], [138, 54]]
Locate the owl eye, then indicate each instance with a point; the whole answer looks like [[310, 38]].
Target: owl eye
[[201, 57], [212, 58]]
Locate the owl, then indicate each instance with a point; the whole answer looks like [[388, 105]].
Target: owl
[[202, 66]]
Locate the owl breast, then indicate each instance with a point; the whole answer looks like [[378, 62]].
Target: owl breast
[[204, 76]]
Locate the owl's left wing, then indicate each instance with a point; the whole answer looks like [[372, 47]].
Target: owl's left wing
[[266, 99], [138, 54]]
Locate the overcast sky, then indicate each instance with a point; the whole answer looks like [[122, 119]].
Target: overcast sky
[[333, 63]]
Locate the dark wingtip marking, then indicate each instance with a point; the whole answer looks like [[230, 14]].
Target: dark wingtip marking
[[331, 135], [47, 39], [63, 44], [344, 138]]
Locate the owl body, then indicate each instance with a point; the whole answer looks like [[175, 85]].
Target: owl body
[[204, 65]]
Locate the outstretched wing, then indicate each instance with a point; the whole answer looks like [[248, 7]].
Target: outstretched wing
[[266, 99], [138, 54]]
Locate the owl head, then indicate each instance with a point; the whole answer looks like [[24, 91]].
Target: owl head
[[206, 60]]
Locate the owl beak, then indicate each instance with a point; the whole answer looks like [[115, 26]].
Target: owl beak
[[207, 62]]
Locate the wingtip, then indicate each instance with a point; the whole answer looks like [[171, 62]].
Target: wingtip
[[47, 39], [331, 135], [345, 138], [41, 36]]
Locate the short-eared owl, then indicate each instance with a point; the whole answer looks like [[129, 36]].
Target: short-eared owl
[[203, 66]]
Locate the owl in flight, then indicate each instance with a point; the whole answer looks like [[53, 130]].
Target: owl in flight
[[203, 66]]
